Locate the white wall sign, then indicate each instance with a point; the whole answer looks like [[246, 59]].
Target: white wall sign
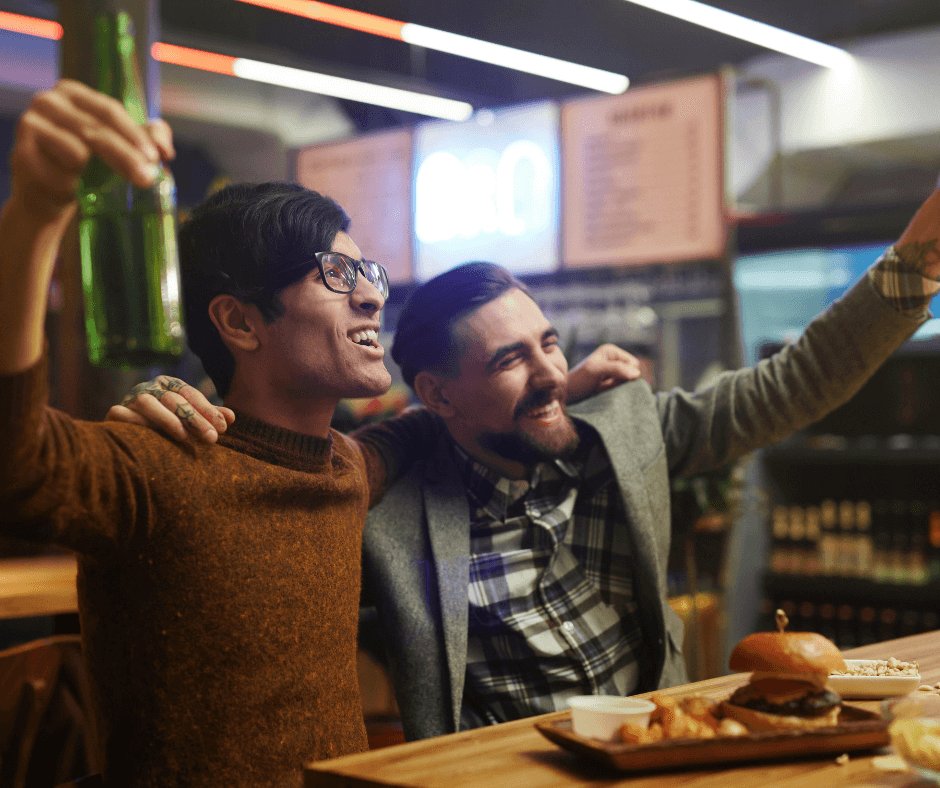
[[644, 175]]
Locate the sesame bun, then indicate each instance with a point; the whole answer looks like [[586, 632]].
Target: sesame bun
[[757, 721], [792, 653]]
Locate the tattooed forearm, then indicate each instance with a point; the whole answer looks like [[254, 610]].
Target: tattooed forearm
[[919, 255], [150, 387]]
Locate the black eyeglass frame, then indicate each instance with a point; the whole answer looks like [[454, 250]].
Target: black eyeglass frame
[[355, 266]]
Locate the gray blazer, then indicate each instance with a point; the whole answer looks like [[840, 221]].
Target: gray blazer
[[416, 541]]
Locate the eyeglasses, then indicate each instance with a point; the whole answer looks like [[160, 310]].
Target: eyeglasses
[[340, 272]]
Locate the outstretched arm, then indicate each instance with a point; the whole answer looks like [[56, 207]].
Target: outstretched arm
[[838, 352], [59, 132]]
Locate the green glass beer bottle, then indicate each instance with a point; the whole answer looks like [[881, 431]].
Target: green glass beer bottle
[[127, 235]]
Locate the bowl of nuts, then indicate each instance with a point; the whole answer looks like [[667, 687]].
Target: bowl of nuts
[[875, 678]]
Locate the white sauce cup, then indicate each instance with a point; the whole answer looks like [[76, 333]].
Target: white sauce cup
[[600, 716]]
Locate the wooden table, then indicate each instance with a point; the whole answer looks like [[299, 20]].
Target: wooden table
[[516, 755], [40, 585]]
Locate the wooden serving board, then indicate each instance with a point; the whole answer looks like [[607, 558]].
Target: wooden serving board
[[857, 730]]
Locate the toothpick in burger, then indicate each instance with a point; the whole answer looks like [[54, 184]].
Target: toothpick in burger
[[787, 690]]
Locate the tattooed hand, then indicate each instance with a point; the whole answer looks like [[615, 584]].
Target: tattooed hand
[[919, 245], [174, 406]]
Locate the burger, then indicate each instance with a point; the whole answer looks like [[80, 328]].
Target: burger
[[787, 689]]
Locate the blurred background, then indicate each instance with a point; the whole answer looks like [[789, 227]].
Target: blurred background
[[698, 218]]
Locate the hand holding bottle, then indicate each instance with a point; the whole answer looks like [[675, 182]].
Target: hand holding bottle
[[55, 138], [60, 132]]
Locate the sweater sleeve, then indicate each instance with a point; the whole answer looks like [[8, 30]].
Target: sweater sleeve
[[391, 447], [754, 407], [74, 483]]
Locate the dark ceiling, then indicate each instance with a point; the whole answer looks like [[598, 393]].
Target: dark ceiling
[[610, 34]]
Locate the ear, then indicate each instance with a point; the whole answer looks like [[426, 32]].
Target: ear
[[235, 322], [431, 390]]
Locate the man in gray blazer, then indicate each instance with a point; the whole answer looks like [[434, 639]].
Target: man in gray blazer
[[521, 560]]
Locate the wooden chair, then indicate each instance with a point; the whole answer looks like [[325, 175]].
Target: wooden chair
[[47, 730]]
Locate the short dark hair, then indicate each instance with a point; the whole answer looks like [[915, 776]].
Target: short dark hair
[[251, 241], [424, 337]]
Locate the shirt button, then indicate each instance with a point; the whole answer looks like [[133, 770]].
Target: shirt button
[[568, 625]]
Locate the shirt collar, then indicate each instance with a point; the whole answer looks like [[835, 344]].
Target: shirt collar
[[493, 493]]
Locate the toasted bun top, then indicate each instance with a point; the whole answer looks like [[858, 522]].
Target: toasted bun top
[[787, 652]]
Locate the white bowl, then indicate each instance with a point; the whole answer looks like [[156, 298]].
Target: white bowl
[[600, 716], [870, 687]]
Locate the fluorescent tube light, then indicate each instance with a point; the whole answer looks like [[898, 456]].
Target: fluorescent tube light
[[516, 59], [472, 48], [751, 30], [30, 25], [366, 92]]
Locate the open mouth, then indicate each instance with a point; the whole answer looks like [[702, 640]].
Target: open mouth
[[546, 414], [368, 338]]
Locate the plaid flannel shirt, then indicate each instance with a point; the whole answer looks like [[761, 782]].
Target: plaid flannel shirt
[[552, 611], [901, 285]]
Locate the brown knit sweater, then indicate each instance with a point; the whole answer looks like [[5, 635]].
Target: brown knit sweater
[[218, 586]]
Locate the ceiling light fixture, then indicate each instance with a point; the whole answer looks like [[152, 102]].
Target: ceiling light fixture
[[30, 25], [750, 30], [472, 48], [313, 82]]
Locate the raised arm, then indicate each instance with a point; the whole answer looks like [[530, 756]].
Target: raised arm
[[834, 357], [60, 479], [55, 138]]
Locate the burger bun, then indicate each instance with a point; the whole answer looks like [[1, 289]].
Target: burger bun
[[802, 654]]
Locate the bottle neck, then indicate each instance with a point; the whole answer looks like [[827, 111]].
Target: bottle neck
[[116, 62]]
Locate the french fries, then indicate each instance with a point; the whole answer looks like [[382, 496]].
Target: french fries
[[693, 717], [917, 740]]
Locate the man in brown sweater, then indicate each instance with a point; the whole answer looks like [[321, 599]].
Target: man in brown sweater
[[218, 584]]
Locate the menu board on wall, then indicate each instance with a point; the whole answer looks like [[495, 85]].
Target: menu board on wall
[[643, 175], [370, 177]]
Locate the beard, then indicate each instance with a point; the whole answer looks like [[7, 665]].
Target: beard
[[521, 446]]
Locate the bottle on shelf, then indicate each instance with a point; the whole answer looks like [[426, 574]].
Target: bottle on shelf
[[897, 552], [845, 562], [779, 549], [863, 539], [916, 559], [797, 539], [829, 539], [812, 563], [881, 526], [130, 265]]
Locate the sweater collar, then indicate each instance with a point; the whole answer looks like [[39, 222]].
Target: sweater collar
[[276, 445]]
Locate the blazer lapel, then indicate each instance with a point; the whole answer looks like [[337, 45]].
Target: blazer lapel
[[650, 579], [445, 505]]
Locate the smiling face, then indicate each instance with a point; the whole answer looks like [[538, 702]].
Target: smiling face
[[506, 405], [325, 344]]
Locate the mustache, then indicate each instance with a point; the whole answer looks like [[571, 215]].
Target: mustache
[[538, 399]]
